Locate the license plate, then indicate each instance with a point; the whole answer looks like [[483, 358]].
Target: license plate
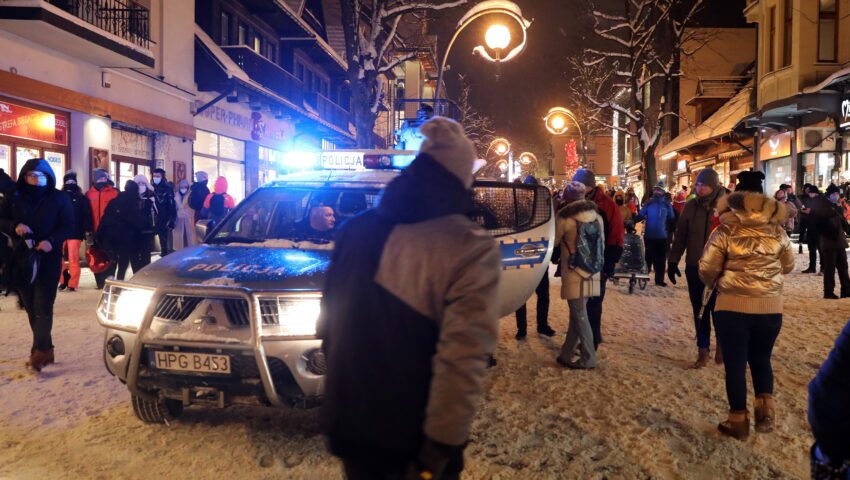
[[190, 362]]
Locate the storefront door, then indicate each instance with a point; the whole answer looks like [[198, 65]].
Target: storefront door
[[777, 172]]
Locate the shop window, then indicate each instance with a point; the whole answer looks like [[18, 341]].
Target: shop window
[[206, 143], [786, 33], [235, 175], [827, 31], [22, 154], [231, 148], [225, 28], [57, 163], [6, 158], [258, 44]]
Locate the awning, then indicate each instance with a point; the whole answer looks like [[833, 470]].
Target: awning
[[717, 125], [842, 75]]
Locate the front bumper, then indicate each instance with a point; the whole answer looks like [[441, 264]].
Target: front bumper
[[275, 371]]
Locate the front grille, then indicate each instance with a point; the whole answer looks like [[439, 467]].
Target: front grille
[[269, 311], [177, 308]]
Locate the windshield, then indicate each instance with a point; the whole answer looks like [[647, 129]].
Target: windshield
[[293, 214]]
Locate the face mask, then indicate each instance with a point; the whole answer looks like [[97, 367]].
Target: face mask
[[156, 180], [70, 182], [142, 189], [42, 181], [619, 201], [183, 191]]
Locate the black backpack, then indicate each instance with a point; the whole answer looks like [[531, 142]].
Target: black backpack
[[217, 210]]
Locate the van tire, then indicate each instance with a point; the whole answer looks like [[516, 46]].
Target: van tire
[[160, 411]]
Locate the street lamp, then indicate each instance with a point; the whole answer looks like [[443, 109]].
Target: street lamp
[[500, 145], [497, 38], [556, 124]]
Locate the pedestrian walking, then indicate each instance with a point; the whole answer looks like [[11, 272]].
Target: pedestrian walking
[[542, 292], [781, 196], [580, 235], [38, 218], [219, 203], [658, 212], [828, 219], [614, 238], [100, 194], [184, 231], [405, 277], [127, 229], [696, 223], [745, 259], [81, 207], [163, 196], [829, 413], [811, 236], [198, 193]]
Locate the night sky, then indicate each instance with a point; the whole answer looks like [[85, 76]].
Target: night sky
[[535, 81]]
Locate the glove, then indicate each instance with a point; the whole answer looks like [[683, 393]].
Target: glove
[[89, 239], [673, 272], [612, 256], [432, 460]]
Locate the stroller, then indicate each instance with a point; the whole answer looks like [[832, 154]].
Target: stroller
[[632, 264]]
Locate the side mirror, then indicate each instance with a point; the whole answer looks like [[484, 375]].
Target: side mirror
[[202, 228]]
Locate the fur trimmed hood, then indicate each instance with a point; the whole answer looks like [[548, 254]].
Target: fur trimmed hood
[[751, 209], [581, 210]]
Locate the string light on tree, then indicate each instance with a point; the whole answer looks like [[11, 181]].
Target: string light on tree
[[572, 161]]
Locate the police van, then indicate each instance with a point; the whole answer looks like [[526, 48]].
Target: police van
[[233, 320]]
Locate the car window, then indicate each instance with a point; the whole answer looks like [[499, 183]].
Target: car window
[[507, 209]]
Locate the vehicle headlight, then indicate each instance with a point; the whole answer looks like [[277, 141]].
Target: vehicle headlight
[[289, 316], [123, 307]]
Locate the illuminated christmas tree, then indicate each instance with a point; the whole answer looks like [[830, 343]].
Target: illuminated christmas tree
[[572, 163]]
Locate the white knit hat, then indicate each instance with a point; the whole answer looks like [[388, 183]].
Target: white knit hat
[[448, 145]]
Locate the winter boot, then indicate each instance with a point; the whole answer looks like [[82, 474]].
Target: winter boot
[[37, 360], [764, 413], [545, 330], [737, 425], [702, 358], [521, 334], [49, 357], [718, 355]]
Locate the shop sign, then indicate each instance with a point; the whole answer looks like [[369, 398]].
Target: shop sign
[[253, 125], [845, 113], [775, 146], [681, 165], [131, 144], [23, 122]]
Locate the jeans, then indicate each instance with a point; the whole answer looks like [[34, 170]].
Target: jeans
[[72, 247], [579, 335], [38, 299], [542, 292], [834, 259], [695, 290], [746, 339], [594, 313], [656, 256], [814, 246]]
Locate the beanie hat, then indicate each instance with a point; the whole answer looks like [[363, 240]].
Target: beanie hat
[[449, 146], [660, 186], [530, 180], [831, 189], [99, 173], [708, 176], [749, 181], [813, 189], [784, 186], [585, 176], [573, 191], [70, 175]]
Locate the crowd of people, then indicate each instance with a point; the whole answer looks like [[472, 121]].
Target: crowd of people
[[48, 226]]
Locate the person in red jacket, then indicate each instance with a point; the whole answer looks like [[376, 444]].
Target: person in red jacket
[[614, 236], [680, 200], [219, 203], [100, 194]]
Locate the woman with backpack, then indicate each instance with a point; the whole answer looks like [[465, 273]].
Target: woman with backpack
[[581, 236], [218, 203]]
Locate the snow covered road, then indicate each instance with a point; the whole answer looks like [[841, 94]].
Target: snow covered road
[[642, 414]]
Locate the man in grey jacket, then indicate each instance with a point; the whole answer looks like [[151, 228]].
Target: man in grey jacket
[[695, 224], [409, 320]]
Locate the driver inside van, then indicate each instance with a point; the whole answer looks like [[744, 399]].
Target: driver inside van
[[319, 224]]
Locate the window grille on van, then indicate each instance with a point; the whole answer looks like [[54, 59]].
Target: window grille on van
[[505, 209]]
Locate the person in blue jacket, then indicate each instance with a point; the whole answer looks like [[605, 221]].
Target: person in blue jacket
[[657, 212], [829, 413]]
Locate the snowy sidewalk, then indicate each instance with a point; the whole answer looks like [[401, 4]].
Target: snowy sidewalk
[[642, 414]]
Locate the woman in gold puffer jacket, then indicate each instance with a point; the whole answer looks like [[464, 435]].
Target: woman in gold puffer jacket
[[745, 259]]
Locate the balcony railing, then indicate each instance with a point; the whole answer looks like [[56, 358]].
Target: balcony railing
[[123, 18], [328, 110], [266, 73], [720, 87], [424, 108]]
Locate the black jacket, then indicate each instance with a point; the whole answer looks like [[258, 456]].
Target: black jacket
[[828, 221], [198, 192], [165, 207], [82, 211], [126, 227], [384, 367], [45, 210]]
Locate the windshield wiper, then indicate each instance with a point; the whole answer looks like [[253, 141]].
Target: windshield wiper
[[234, 239]]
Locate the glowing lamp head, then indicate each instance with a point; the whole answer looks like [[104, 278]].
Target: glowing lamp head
[[503, 166], [501, 148], [557, 122], [526, 158], [498, 37]]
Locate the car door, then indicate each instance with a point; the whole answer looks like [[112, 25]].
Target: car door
[[521, 218]]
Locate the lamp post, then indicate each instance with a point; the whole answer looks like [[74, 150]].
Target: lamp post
[[502, 147], [497, 38], [528, 160], [556, 124]]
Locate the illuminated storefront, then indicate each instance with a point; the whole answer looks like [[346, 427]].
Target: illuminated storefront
[[29, 131], [775, 158]]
